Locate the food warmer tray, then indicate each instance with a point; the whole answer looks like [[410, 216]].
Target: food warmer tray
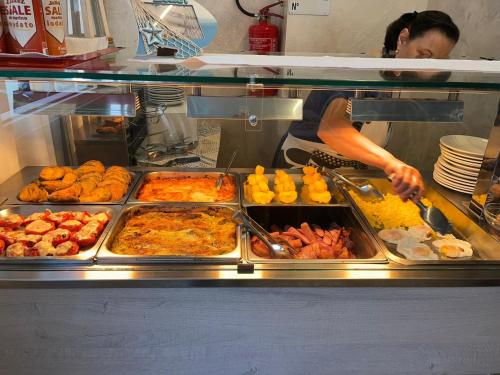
[[14, 184], [106, 256], [338, 198], [86, 256], [146, 176], [485, 248], [366, 249]]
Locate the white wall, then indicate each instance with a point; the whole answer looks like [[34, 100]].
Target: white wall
[[352, 27], [479, 23], [24, 140]]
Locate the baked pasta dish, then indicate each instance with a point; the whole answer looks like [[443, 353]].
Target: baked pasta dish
[[187, 189], [174, 231]]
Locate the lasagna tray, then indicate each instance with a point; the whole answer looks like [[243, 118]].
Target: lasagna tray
[[174, 233]]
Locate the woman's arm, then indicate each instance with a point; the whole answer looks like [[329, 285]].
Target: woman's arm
[[338, 133]]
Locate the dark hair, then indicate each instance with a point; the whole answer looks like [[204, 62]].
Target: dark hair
[[418, 24], [410, 75]]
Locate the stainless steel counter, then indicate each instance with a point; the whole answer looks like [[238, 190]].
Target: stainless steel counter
[[389, 274]]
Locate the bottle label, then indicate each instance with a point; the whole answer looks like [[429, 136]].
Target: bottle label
[[54, 22], [21, 20]]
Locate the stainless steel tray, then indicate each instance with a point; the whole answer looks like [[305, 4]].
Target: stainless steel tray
[[14, 184], [338, 198], [365, 247], [171, 174], [105, 255], [85, 256], [486, 248]]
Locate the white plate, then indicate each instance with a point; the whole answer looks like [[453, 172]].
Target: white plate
[[465, 144], [459, 155], [155, 96], [445, 182], [457, 175], [459, 172], [451, 186], [450, 157], [457, 168], [454, 180], [444, 161]]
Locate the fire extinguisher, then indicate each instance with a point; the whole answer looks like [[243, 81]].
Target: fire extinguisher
[[263, 37]]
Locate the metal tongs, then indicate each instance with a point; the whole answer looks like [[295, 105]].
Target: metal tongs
[[218, 183], [279, 247], [365, 189]]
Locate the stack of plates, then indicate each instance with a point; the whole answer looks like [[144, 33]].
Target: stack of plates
[[165, 95], [457, 167]]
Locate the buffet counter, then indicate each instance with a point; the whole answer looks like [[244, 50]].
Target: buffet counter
[[382, 268]]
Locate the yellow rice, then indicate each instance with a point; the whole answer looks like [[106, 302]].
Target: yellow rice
[[391, 212]]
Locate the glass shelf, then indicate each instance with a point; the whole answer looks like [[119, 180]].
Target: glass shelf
[[118, 68]]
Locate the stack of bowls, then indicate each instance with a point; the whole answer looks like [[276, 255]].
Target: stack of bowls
[[458, 166]]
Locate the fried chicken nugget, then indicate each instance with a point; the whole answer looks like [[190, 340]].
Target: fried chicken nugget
[[33, 193], [88, 185], [68, 180], [69, 194], [118, 171], [99, 194], [52, 173], [89, 167], [96, 176], [68, 170], [115, 179], [116, 189], [96, 164]]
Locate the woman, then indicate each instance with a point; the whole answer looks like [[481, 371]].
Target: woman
[[326, 131]]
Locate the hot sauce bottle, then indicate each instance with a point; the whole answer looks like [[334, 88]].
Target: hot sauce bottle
[[54, 27], [3, 27], [26, 26]]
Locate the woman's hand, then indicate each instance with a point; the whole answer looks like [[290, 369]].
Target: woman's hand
[[407, 181]]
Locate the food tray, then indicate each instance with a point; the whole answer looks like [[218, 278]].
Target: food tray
[[485, 248], [105, 255], [13, 186], [365, 247], [85, 256], [172, 174], [337, 196]]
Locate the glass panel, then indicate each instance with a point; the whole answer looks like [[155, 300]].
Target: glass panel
[[122, 69]]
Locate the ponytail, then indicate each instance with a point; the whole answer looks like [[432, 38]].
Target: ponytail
[[417, 24]]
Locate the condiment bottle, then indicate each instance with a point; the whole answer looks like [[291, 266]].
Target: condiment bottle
[[26, 26], [54, 27], [3, 27]]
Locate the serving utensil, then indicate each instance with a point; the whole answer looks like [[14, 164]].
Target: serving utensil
[[218, 183], [365, 189], [179, 161], [433, 216], [279, 247]]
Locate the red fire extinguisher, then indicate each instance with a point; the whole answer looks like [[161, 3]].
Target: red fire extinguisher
[[264, 37]]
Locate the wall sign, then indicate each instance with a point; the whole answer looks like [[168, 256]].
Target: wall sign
[[309, 7]]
